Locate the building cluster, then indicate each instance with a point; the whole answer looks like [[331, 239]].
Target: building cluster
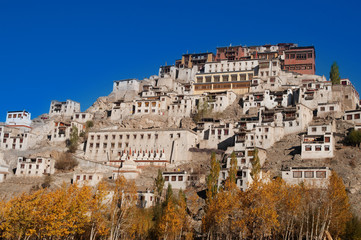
[[273, 86]]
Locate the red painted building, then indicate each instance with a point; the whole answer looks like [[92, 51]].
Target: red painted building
[[300, 60], [230, 53]]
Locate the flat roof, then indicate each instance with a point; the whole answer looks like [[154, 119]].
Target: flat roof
[[17, 111], [144, 130]]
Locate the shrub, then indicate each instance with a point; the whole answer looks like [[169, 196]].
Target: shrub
[[354, 138], [66, 162]]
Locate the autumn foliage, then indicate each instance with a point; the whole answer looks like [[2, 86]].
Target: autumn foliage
[[266, 210]]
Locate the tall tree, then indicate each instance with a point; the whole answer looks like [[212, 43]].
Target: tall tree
[[212, 178], [256, 164], [335, 74], [159, 185]]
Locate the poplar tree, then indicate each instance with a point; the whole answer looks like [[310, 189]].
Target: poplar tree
[[335, 74]]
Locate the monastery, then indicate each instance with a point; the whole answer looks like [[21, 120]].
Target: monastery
[[273, 87]]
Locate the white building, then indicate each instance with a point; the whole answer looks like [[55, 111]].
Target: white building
[[215, 134], [65, 109], [146, 199], [34, 167], [269, 99], [15, 138], [353, 116], [319, 141], [177, 179], [218, 101], [82, 117], [230, 66], [60, 131], [332, 109], [146, 146], [87, 178], [4, 168], [18, 119], [315, 177], [243, 177]]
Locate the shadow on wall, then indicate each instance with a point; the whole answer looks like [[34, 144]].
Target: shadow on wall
[[226, 143]]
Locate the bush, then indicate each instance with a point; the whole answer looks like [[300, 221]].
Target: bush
[[354, 138], [47, 181], [66, 162]]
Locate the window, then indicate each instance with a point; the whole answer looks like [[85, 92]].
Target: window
[[332, 108], [90, 177], [314, 129], [297, 174], [120, 136], [156, 136], [128, 136], [322, 109], [327, 139], [308, 148], [149, 136], [357, 116], [309, 174], [104, 145], [22, 166], [327, 148], [166, 178], [324, 129], [135, 136], [40, 160], [106, 137], [174, 178], [318, 147], [320, 174], [113, 137], [349, 117], [180, 178], [78, 177]]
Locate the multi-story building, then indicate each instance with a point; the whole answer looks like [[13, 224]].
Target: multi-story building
[[214, 134], [60, 131], [18, 119], [316, 177], [195, 59], [319, 141], [225, 76], [145, 145], [346, 94], [34, 167], [65, 109], [15, 138], [300, 60]]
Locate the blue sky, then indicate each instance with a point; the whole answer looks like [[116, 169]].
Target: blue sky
[[75, 49]]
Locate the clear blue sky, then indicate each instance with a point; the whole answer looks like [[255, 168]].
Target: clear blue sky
[[75, 49]]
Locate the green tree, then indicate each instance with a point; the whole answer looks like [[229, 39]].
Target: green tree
[[159, 185], [354, 137], [212, 178], [335, 74], [73, 141]]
